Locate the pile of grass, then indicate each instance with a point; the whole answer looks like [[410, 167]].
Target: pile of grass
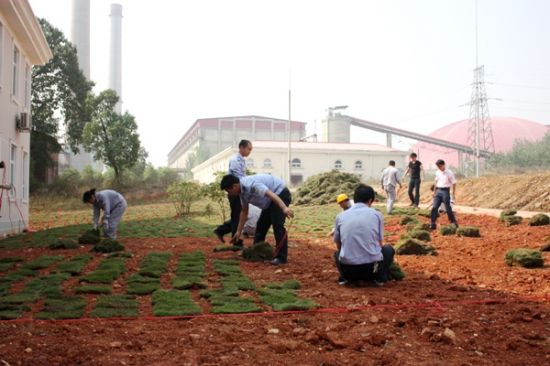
[[174, 303], [64, 244], [8, 262], [395, 272], [523, 257], [468, 231], [448, 230], [258, 252], [74, 265], [509, 217], [409, 246], [63, 308], [105, 274], [408, 219], [539, 220], [190, 271], [92, 236], [111, 306], [108, 246], [227, 248], [283, 297], [419, 234]]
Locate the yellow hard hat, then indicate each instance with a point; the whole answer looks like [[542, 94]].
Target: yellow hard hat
[[341, 198]]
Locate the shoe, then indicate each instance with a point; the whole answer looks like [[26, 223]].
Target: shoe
[[375, 283], [411, 205], [415, 205], [342, 281], [433, 226], [219, 236], [277, 262]]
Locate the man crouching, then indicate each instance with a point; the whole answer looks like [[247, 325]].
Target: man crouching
[[359, 232]]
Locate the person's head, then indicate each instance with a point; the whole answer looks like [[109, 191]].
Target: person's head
[[89, 196], [245, 148], [364, 194], [413, 157], [343, 201], [440, 164], [231, 185], [392, 163]]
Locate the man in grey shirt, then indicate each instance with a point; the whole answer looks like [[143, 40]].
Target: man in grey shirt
[[389, 180], [113, 205]]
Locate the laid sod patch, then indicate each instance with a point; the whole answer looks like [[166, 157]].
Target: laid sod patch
[[174, 303], [142, 285], [424, 213], [227, 248], [74, 265], [407, 219], [448, 230], [111, 306], [419, 234], [258, 252], [154, 264], [41, 262], [539, 220], [523, 257], [468, 231], [290, 284], [93, 289], [232, 276], [9, 262], [107, 271], [410, 246], [418, 226], [504, 213], [395, 272], [108, 246], [190, 271], [63, 308], [284, 298], [92, 236], [120, 255], [64, 244], [227, 301]]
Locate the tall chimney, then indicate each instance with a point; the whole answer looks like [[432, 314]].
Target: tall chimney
[[115, 77], [80, 33]]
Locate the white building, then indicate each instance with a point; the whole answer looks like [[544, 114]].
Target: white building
[[22, 45], [308, 158]]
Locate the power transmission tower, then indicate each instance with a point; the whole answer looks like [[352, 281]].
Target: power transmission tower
[[480, 132]]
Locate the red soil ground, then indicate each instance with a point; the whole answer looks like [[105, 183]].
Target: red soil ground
[[495, 314]]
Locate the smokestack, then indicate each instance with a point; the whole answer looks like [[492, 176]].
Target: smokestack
[[115, 77], [80, 33]]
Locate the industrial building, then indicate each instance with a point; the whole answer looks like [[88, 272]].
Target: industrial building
[[22, 45]]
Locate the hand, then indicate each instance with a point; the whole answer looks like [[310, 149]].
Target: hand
[[288, 212], [235, 238]]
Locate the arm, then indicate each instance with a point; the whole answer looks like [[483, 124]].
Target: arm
[[336, 238], [381, 229], [106, 211], [453, 190], [279, 202], [242, 220], [407, 171], [96, 216]]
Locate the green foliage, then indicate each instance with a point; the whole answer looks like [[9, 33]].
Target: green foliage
[[111, 306], [174, 303], [524, 154], [107, 271], [539, 220], [67, 183], [283, 298], [90, 178], [395, 272], [408, 246], [216, 195], [469, 231], [93, 289], [258, 252], [63, 308], [183, 194], [64, 244], [448, 230], [322, 189], [108, 246], [523, 257], [111, 137], [74, 265]]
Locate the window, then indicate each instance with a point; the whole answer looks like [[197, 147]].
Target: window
[[296, 163], [27, 87], [13, 160], [15, 71], [250, 163], [338, 164], [267, 163], [25, 184], [358, 164]]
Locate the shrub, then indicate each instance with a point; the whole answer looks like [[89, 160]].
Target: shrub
[[217, 196], [414, 246], [469, 231], [528, 258], [539, 220], [183, 194], [67, 183]]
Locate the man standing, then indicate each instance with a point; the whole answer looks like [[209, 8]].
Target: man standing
[[416, 171], [444, 182], [359, 232], [237, 167], [389, 180], [273, 198]]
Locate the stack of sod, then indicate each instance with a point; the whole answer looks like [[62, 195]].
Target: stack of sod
[[8, 262], [408, 246], [418, 226], [174, 303], [258, 252], [524, 257], [74, 265], [539, 220], [322, 188], [448, 230], [408, 219], [418, 234], [395, 272], [111, 306], [64, 244], [108, 246], [190, 272], [469, 231], [509, 217], [100, 281], [147, 279], [90, 237], [283, 296]]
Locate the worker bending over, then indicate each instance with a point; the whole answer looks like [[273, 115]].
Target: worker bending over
[[113, 205]]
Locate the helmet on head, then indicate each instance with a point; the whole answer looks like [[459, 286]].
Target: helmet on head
[[341, 198]]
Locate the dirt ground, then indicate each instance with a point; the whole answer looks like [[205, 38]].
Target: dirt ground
[[527, 192], [464, 306]]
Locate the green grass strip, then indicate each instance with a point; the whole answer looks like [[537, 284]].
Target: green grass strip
[[63, 308], [284, 297], [190, 271], [8, 262], [41, 262], [107, 271], [154, 264], [93, 289], [74, 265], [141, 285], [110, 306], [174, 303]]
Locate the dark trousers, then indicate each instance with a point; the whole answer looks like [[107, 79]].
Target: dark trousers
[[235, 205], [414, 185], [224, 228], [442, 195], [367, 272], [274, 216]]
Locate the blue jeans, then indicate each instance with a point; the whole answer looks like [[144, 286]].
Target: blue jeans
[[414, 185], [442, 195]]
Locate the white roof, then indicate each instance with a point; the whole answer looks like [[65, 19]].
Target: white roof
[[332, 146]]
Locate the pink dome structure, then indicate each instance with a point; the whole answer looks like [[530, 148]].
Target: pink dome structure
[[506, 130]]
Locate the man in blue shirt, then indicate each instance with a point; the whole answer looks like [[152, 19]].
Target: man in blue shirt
[[358, 233], [273, 198], [237, 167]]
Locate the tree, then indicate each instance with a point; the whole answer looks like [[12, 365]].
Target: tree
[[110, 136], [183, 194], [59, 91]]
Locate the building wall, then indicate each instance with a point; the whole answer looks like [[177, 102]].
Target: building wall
[[14, 145]]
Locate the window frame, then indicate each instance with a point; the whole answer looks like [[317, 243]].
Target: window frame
[[13, 171], [338, 162], [16, 55], [25, 183], [358, 165], [267, 166], [296, 163]]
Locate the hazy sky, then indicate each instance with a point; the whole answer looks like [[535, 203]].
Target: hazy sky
[[404, 63]]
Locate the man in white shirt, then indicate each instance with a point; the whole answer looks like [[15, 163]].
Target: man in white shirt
[[389, 180], [445, 181]]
